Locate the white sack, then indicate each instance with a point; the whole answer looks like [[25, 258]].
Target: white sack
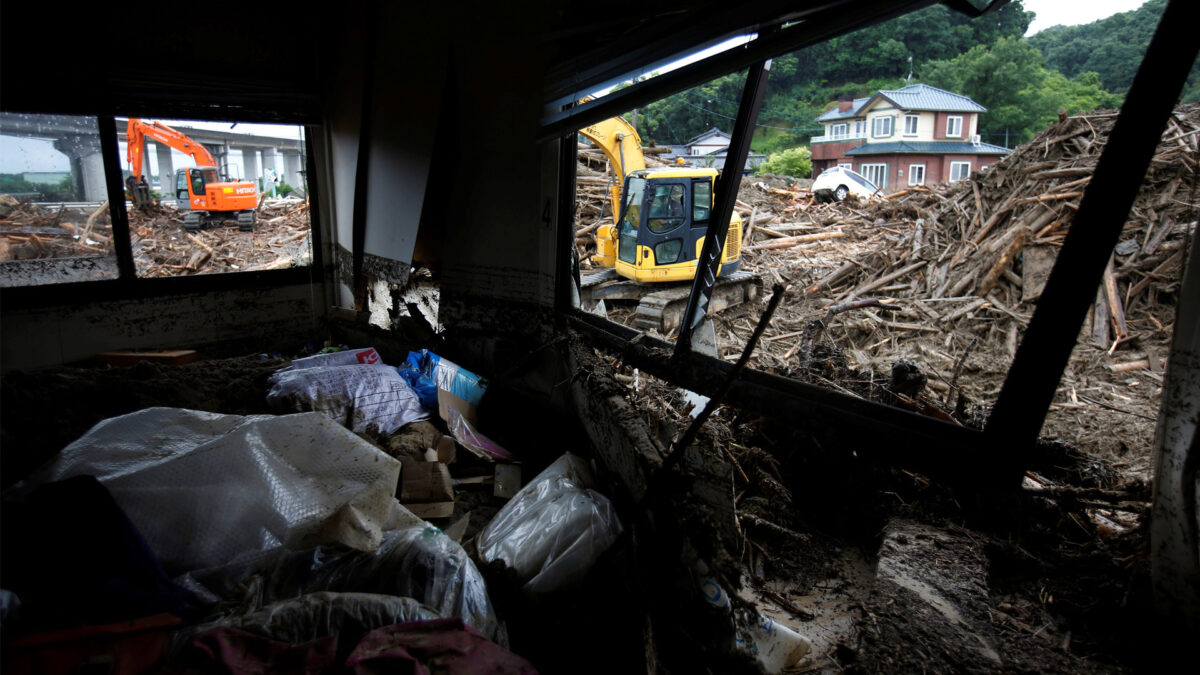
[[554, 529], [205, 489], [373, 399]]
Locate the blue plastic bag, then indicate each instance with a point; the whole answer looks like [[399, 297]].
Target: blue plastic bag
[[427, 372]]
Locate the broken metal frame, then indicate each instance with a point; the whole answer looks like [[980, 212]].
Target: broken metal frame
[[122, 244], [709, 262], [1042, 356]]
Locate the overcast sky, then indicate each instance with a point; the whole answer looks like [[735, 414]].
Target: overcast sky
[[1071, 12]]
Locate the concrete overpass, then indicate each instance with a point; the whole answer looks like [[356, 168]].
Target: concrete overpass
[[78, 138]]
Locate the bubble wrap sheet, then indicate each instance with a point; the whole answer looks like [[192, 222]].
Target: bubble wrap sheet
[[205, 489], [554, 529]]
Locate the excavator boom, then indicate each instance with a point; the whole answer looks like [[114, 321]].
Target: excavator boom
[[620, 143], [138, 130]]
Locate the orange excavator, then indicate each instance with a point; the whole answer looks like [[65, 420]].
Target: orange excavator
[[206, 196]]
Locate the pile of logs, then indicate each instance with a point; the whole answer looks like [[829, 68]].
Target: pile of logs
[[162, 247], [949, 270], [29, 231]]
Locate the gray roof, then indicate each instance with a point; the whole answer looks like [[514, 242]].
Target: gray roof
[[925, 97], [713, 131], [855, 108], [928, 148]]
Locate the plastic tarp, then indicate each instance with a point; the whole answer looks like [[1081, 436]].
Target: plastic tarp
[[554, 529], [205, 489], [415, 561], [365, 398], [317, 615]]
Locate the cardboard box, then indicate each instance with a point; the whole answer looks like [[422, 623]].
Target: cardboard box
[[424, 482]]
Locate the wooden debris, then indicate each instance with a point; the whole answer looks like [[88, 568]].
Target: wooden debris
[[161, 245]]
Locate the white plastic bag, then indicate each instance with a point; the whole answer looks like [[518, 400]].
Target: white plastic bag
[[554, 529], [205, 489], [373, 399]]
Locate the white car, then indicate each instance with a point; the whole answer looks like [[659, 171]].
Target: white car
[[837, 182]]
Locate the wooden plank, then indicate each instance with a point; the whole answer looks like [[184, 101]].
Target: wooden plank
[[127, 357], [1115, 311]]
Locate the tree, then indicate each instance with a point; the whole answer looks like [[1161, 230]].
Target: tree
[[795, 162], [1112, 47], [1011, 80]]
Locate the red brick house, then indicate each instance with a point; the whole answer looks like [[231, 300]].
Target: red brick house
[[917, 135]]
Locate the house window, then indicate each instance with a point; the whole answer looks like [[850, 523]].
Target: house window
[[840, 130], [959, 170], [876, 173], [916, 174], [860, 128], [954, 126], [881, 127], [910, 125], [846, 165]]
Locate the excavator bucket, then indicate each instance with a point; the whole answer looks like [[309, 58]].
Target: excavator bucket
[[139, 191]]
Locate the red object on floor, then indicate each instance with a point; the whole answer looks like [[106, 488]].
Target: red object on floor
[[122, 648]]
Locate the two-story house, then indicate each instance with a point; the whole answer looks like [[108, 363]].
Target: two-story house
[[916, 135]]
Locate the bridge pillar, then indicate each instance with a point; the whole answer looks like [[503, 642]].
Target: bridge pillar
[[166, 172], [250, 165], [291, 170], [87, 165]]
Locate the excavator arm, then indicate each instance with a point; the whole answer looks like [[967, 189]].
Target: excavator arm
[[138, 131], [623, 147]]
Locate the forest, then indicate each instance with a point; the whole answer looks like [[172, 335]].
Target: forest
[[1022, 82]]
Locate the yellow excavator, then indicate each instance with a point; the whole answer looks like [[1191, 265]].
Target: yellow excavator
[[660, 219]]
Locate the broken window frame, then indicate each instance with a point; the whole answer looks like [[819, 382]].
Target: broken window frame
[[992, 458], [128, 285]]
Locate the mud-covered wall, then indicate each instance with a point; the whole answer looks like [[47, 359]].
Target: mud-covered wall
[[56, 334]]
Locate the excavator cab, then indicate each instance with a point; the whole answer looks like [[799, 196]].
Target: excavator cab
[[663, 222], [206, 198]]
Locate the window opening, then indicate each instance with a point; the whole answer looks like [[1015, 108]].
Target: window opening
[[55, 225], [239, 201]]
